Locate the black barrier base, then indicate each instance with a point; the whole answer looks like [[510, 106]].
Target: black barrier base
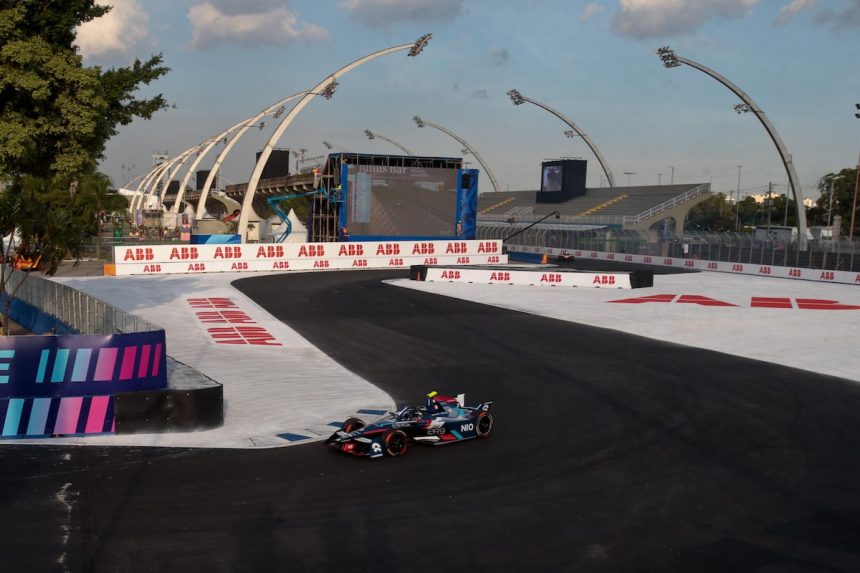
[[169, 410], [192, 401], [641, 279]]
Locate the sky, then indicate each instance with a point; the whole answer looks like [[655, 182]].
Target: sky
[[594, 62]]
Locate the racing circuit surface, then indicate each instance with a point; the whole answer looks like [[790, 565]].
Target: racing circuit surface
[[610, 452]]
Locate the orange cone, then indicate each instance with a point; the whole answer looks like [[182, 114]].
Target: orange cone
[[543, 259]]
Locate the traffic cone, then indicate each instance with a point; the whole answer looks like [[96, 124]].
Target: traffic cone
[[543, 259]]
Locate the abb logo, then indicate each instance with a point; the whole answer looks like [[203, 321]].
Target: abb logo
[[196, 267], [281, 265], [423, 249], [350, 251], [183, 253], [593, 255], [628, 258], [712, 266], [270, 251], [827, 276], [764, 271], [646, 259], [450, 274], [603, 280], [388, 249], [737, 268], [228, 252], [312, 251], [495, 259], [552, 278], [795, 273], [610, 257], [462, 260], [224, 317], [211, 303], [755, 302], [431, 261], [321, 264], [152, 268], [254, 335], [500, 276], [667, 262], [456, 248], [488, 247], [395, 263], [689, 263], [359, 263], [239, 266], [138, 254]]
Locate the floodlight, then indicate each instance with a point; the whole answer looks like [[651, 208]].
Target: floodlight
[[418, 121], [329, 90], [743, 108], [570, 133], [328, 145], [419, 44], [369, 134], [667, 54], [516, 97], [857, 115]]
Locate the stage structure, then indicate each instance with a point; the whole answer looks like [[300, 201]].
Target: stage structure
[[365, 197]]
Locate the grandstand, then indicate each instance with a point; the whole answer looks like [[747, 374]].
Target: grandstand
[[621, 208]]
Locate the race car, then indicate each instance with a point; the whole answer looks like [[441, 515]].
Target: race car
[[441, 420]]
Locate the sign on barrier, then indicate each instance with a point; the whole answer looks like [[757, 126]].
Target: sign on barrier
[[541, 277], [841, 277], [168, 259]]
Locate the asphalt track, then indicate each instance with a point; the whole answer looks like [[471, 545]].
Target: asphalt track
[[610, 453]]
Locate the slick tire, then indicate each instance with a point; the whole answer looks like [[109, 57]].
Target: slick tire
[[352, 424], [395, 443], [483, 425]]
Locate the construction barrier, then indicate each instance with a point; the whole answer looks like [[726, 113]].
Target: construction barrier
[[168, 259]]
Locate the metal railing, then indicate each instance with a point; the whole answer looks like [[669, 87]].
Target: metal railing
[[667, 205], [80, 311]]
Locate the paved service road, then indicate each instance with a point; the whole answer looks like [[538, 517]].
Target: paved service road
[[610, 453]]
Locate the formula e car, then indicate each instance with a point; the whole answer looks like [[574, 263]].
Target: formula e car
[[441, 420]]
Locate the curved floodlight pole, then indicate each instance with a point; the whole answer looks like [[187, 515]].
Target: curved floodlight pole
[[374, 135], [672, 60], [168, 174], [245, 125], [422, 122], [326, 89], [141, 191], [519, 99], [176, 169]]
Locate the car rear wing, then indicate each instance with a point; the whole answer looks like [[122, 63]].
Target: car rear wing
[[483, 406]]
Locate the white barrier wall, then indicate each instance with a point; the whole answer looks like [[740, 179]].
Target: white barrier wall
[[842, 277], [170, 259], [540, 277]]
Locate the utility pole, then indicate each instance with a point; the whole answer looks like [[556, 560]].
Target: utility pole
[[738, 205], [672, 178]]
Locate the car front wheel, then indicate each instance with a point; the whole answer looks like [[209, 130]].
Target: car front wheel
[[395, 442]]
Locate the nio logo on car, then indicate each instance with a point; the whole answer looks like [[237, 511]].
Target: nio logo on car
[[467, 427], [377, 449]]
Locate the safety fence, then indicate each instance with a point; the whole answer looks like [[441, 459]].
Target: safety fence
[[82, 313], [745, 248]]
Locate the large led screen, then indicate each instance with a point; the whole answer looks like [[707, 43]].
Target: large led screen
[[384, 200], [551, 178]]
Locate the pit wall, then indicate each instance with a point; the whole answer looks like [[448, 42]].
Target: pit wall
[[169, 259], [818, 275]]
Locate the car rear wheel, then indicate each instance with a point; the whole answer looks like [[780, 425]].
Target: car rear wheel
[[352, 424], [484, 425], [395, 442]]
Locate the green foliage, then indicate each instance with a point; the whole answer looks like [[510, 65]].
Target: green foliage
[[56, 115], [840, 186]]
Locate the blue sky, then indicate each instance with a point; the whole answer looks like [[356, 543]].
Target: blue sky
[[593, 61]]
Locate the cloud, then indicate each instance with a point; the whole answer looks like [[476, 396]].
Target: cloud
[[590, 9], [789, 11], [847, 18], [480, 94], [120, 32], [260, 23], [660, 18], [500, 56], [384, 13]]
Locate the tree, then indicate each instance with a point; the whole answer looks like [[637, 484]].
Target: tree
[[840, 188], [56, 115]]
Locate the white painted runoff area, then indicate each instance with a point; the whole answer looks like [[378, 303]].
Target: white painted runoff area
[[295, 388]]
